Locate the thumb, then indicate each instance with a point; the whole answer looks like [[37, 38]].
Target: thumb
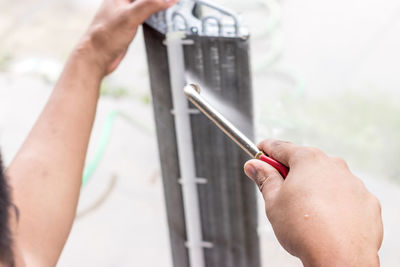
[[267, 178]]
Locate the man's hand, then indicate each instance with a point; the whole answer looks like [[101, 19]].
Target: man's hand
[[113, 29], [321, 213]]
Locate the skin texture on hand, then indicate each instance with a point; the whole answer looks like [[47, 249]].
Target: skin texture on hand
[[114, 28], [321, 213], [46, 174]]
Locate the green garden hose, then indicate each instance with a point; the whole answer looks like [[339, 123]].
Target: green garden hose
[[105, 140]]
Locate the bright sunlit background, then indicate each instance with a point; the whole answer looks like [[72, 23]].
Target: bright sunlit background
[[326, 74]]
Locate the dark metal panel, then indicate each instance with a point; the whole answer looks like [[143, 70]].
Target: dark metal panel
[[228, 201], [162, 104]]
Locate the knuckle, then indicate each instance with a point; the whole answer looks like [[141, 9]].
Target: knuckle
[[314, 151], [307, 152], [259, 179], [262, 182], [262, 179], [264, 143], [339, 161], [275, 146], [267, 179], [272, 144], [277, 143], [360, 187], [375, 202]]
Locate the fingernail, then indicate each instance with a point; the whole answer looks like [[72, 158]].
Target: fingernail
[[250, 171]]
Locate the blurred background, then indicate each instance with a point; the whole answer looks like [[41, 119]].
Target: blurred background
[[326, 74]]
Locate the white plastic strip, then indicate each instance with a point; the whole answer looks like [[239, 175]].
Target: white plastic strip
[[185, 149]]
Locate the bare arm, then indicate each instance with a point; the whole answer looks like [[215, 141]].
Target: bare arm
[[321, 213], [46, 173]]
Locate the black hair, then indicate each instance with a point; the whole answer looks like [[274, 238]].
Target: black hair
[[6, 244]]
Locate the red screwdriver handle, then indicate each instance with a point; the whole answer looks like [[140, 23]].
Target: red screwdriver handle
[[282, 169]]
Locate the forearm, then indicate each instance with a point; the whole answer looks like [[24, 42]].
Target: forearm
[[46, 173]]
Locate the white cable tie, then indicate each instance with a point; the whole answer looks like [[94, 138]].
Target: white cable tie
[[196, 181], [183, 42], [203, 244], [188, 111]]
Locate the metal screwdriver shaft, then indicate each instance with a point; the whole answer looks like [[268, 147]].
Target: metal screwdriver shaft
[[192, 92]]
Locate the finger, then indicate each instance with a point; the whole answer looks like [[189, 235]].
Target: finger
[[281, 151], [142, 9], [267, 178]]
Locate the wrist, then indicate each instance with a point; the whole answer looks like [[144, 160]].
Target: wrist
[[82, 70], [86, 55]]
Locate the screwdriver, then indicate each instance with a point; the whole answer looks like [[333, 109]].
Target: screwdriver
[[192, 92]]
